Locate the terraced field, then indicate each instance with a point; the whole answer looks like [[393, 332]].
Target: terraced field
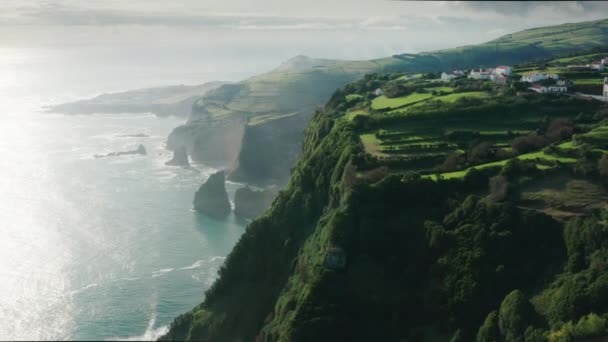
[[383, 102], [426, 129]]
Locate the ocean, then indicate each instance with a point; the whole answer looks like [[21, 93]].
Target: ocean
[[98, 249]]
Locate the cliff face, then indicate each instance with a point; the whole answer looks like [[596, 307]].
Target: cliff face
[[213, 142], [250, 203], [211, 198], [180, 157], [269, 149]]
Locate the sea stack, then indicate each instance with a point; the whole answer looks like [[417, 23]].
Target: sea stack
[[141, 150], [180, 157], [249, 203], [211, 198]]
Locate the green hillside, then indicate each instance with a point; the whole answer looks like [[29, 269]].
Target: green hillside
[[471, 214]]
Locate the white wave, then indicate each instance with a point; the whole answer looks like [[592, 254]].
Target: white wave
[[130, 279], [196, 264], [161, 272], [218, 258], [151, 333], [84, 289]]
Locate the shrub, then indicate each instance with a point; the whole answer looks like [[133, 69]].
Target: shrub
[[489, 329], [560, 129], [480, 152], [498, 188], [602, 166], [453, 162], [514, 316], [528, 143]]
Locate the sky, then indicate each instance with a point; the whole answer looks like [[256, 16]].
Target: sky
[[337, 28], [250, 36]]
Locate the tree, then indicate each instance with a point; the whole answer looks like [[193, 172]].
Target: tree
[[489, 329], [452, 162], [480, 152], [514, 316], [530, 142], [560, 129]]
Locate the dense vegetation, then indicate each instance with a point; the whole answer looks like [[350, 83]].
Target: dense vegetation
[[458, 211]]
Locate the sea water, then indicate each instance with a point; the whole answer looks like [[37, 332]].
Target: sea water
[[95, 248]]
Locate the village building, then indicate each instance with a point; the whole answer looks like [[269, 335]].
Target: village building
[[481, 74], [501, 80], [536, 76], [557, 89], [448, 76], [532, 77], [378, 92], [564, 83], [597, 66], [503, 70], [539, 88]]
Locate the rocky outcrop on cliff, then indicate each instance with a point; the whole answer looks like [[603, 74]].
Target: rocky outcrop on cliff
[[180, 158], [211, 198], [249, 203]]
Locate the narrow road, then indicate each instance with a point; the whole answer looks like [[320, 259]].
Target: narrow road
[[596, 97]]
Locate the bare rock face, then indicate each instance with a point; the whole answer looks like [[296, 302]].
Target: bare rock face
[[249, 203], [211, 198], [180, 157]]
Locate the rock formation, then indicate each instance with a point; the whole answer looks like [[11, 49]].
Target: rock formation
[[180, 157], [211, 198]]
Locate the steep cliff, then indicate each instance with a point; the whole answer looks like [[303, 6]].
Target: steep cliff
[[269, 148]]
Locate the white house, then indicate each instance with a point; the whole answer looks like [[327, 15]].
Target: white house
[[597, 66], [539, 88], [503, 70], [604, 60], [533, 76], [481, 74], [448, 76], [605, 92], [557, 89], [536, 76], [378, 92]]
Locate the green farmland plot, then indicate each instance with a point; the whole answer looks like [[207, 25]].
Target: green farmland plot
[[383, 102]]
